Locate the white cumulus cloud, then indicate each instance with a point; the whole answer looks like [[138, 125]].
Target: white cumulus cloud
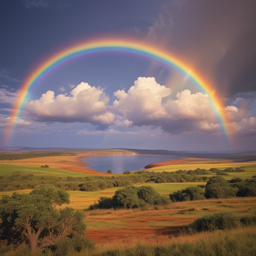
[[149, 103], [86, 104]]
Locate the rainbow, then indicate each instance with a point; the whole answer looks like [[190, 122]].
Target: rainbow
[[103, 45]]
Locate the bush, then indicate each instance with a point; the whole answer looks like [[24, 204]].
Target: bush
[[74, 244], [247, 188], [126, 198], [218, 187], [249, 220], [188, 194], [222, 173], [105, 203], [45, 166], [109, 171], [131, 197], [150, 196], [127, 172], [235, 180], [220, 220], [89, 186]]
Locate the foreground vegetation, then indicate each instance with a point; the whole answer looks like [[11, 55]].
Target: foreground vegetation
[[241, 230], [230, 235], [144, 209]]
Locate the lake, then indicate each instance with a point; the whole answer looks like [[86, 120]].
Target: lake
[[122, 163]]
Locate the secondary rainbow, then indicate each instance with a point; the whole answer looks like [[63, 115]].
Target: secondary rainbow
[[103, 45]]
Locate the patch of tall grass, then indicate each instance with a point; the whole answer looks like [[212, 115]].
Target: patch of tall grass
[[240, 242]]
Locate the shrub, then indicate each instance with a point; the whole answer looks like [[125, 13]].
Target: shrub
[[218, 187], [105, 203], [131, 197], [126, 198], [109, 171], [74, 244], [150, 196], [221, 173], [249, 220], [127, 172], [247, 188], [45, 166], [102, 184], [235, 180], [188, 194], [220, 220], [89, 186]]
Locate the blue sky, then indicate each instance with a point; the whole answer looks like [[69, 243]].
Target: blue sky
[[114, 100]]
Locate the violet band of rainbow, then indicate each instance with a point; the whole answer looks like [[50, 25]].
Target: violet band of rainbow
[[105, 45]]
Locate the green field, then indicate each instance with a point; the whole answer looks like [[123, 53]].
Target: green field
[[38, 171], [250, 169], [83, 199]]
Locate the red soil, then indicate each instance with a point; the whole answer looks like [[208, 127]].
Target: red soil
[[141, 232]]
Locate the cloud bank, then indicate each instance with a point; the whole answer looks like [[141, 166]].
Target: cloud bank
[[146, 103]]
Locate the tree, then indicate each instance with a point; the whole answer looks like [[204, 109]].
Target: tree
[[218, 187], [109, 171], [187, 194], [149, 195], [126, 198], [34, 218], [247, 188]]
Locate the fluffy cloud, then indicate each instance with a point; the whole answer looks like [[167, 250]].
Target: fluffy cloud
[[146, 103], [149, 103], [245, 127], [4, 121], [7, 96], [142, 104], [86, 104]]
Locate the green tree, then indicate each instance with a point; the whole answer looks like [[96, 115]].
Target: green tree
[[187, 194], [126, 198], [35, 219], [109, 171], [218, 187]]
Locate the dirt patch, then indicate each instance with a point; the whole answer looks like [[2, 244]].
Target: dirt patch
[[141, 232]]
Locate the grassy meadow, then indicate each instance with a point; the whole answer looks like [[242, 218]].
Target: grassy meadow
[[249, 167], [150, 230], [38, 171]]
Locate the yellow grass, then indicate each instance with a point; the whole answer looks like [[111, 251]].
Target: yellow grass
[[207, 166]]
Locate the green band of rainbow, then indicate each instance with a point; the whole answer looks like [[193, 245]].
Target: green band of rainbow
[[116, 45]]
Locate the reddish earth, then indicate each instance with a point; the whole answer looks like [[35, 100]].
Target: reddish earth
[[169, 162], [141, 232], [81, 169], [80, 166]]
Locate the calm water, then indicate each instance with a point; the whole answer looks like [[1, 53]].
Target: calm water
[[121, 163]]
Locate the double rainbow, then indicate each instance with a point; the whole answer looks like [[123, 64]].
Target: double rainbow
[[134, 47]]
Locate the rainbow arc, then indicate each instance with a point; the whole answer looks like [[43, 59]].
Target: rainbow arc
[[104, 45]]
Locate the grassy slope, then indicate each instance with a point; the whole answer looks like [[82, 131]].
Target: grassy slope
[[9, 169], [82, 200], [250, 168], [111, 225], [235, 242]]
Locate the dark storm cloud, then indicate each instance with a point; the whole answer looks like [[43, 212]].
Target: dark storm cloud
[[216, 37]]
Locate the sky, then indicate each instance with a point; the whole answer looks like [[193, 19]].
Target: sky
[[114, 100]]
